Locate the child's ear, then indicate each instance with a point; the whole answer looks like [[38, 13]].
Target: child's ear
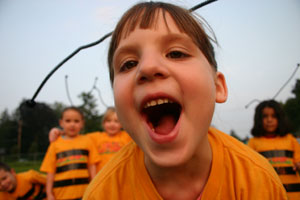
[[13, 172], [221, 88]]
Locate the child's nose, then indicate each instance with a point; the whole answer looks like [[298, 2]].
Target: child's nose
[[151, 67], [270, 118]]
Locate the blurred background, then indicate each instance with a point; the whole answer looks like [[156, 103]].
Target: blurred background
[[259, 50]]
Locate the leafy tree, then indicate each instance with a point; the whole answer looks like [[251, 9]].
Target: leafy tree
[[26, 130], [292, 109], [58, 107], [35, 124], [90, 112], [296, 90], [8, 131], [233, 134]]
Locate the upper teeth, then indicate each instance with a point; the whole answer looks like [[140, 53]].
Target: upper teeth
[[157, 102]]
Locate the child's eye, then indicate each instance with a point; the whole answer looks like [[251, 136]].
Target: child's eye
[[176, 54], [128, 65]]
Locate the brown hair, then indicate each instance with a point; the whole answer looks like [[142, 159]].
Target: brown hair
[[5, 167], [283, 124], [144, 15], [72, 108]]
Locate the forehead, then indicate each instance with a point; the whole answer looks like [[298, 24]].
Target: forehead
[[165, 30], [3, 173], [111, 115], [71, 113], [268, 110]]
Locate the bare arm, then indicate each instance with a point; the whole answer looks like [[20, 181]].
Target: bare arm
[[54, 134], [49, 186], [92, 171]]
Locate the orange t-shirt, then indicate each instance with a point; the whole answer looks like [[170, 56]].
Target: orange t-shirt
[[30, 185], [282, 153], [69, 160], [107, 146], [237, 172]]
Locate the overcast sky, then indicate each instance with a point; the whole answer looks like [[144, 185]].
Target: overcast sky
[[259, 50]]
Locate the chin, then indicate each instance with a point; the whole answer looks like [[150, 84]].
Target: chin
[[168, 157]]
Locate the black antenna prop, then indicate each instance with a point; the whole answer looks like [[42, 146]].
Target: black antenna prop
[[31, 102]]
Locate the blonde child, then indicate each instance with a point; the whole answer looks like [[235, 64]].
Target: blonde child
[[165, 82], [24, 185], [273, 141], [109, 142], [70, 160]]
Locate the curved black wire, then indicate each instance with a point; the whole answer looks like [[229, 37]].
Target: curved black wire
[[289, 79], [201, 5], [99, 93], [100, 97], [32, 102], [67, 90], [95, 81], [298, 65], [254, 100]]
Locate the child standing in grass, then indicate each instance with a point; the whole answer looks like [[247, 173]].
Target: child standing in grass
[[165, 82], [70, 160], [109, 142], [273, 140]]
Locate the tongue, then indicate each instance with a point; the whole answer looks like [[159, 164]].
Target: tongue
[[165, 125]]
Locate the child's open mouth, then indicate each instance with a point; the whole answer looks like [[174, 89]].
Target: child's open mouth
[[162, 115]]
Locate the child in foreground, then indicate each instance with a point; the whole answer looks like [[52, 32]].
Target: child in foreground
[[109, 142], [70, 160], [273, 140], [165, 82], [24, 185]]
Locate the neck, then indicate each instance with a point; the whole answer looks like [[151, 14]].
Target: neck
[[185, 181], [270, 135], [113, 134], [66, 137]]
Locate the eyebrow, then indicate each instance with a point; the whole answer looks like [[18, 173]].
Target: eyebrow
[[174, 37], [164, 40], [125, 49], [181, 38]]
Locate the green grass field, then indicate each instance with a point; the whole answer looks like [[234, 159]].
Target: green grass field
[[21, 166]]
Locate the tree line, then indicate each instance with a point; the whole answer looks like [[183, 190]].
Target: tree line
[[26, 129]]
